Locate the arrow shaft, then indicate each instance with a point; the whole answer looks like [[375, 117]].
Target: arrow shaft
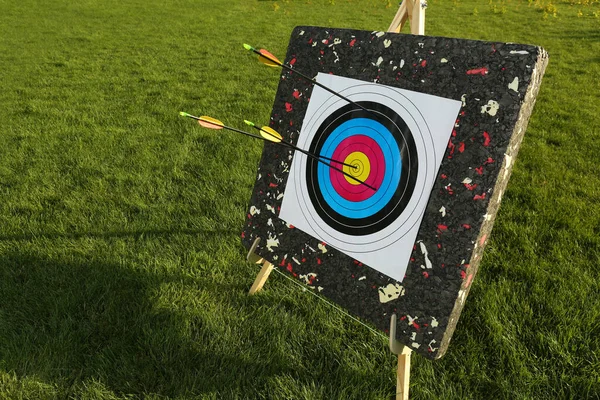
[[318, 158], [310, 79], [281, 143]]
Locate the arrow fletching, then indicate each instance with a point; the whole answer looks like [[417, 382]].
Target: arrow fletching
[[270, 134], [210, 123], [268, 59]]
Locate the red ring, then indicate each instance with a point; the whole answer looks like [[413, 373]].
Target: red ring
[[368, 146]]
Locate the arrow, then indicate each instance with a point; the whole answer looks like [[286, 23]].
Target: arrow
[[277, 138], [270, 135], [274, 135], [270, 60]]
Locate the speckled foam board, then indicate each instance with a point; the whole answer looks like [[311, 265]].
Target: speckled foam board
[[496, 84]]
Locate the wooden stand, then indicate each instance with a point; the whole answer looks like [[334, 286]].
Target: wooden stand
[[413, 9], [265, 271], [403, 372]]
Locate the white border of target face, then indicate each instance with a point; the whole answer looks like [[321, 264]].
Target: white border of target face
[[431, 132]]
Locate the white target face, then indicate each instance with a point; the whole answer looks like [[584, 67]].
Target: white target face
[[371, 207]]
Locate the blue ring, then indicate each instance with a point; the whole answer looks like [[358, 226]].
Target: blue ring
[[393, 168]]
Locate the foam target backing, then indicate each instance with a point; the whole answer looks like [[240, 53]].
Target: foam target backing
[[437, 195]]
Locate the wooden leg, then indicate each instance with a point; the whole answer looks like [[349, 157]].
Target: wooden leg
[[417, 19], [262, 277], [400, 18], [403, 374]]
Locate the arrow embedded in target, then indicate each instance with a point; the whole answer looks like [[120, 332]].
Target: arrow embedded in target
[[274, 135], [270, 135], [270, 60]]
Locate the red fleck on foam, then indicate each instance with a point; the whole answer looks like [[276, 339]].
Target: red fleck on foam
[[243, 235], [292, 226], [439, 245], [352, 42], [282, 263], [423, 63], [462, 113], [444, 176], [310, 41], [288, 107], [425, 274], [469, 186], [249, 216], [293, 61], [402, 318], [415, 325], [273, 185], [479, 170], [304, 260], [289, 267], [442, 227], [461, 147], [479, 197], [296, 94], [325, 41], [322, 52], [486, 139], [454, 130], [463, 274], [291, 123], [478, 71], [466, 226], [451, 146], [318, 261], [488, 161]]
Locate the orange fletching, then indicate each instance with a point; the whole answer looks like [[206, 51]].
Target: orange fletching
[[210, 123], [264, 58]]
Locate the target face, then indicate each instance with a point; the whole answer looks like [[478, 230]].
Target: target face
[[380, 147], [370, 207]]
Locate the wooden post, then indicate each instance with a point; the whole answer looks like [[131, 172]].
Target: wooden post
[[262, 277], [265, 271], [413, 10], [403, 372]]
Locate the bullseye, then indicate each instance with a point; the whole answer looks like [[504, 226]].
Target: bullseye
[[380, 146], [361, 169]]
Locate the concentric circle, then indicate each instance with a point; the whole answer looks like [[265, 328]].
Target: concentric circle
[[371, 197]]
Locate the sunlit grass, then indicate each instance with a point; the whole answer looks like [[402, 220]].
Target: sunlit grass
[[121, 270]]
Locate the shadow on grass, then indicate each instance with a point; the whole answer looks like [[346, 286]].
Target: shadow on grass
[[117, 234], [68, 321]]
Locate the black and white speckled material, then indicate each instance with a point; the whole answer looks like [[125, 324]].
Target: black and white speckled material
[[497, 84]]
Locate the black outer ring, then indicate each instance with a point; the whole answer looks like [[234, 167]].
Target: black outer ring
[[408, 152]]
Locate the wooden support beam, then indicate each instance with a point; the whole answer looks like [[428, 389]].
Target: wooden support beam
[[413, 10]]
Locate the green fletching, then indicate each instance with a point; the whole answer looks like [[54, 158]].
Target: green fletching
[[248, 47], [184, 114], [249, 123]]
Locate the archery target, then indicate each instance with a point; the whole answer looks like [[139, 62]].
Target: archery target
[[370, 208]]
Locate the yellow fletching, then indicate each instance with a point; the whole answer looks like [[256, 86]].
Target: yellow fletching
[[264, 58], [210, 123], [270, 134]]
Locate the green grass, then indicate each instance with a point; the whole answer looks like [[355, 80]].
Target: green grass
[[121, 270]]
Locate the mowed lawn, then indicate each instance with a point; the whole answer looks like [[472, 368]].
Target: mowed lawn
[[122, 275]]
